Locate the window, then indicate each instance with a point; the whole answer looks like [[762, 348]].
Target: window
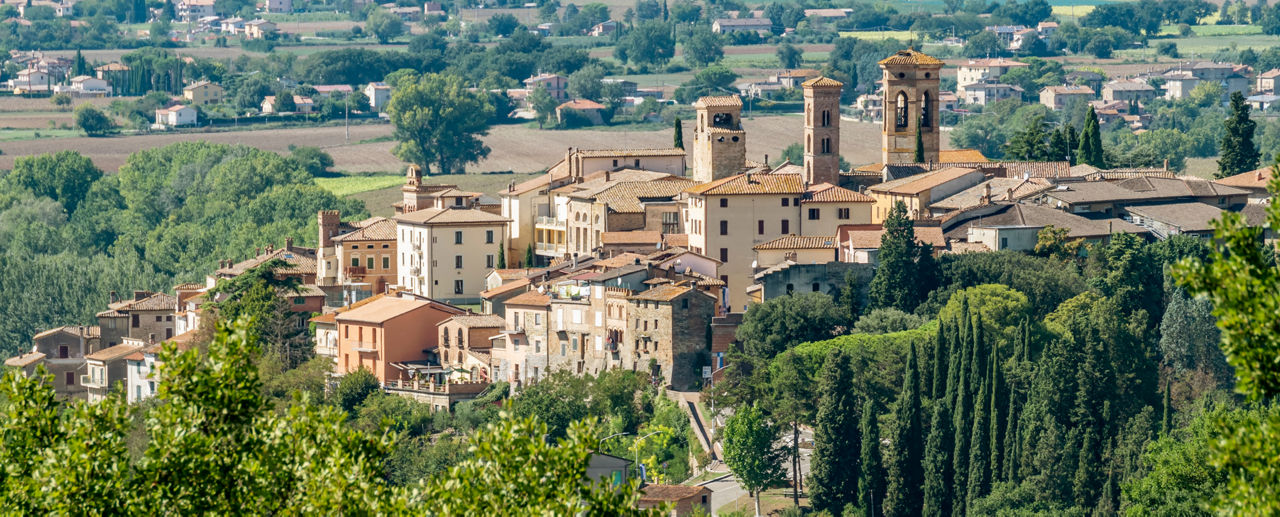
[[159, 319], [457, 261], [826, 146], [760, 227], [457, 237], [1004, 242], [724, 202], [684, 304], [816, 287], [564, 349], [900, 109], [355, 261], [786, 227], [615, 163], [842, 213], [488, 261], [786, 201], [135, 321], [926, 105], [724, 227], [488, 236], [724, 254], [575, 344], [63, 352], [457, 287], [368, 262], [814, 214], [826, 118], [69, 379], [386, 262], [637, 163]]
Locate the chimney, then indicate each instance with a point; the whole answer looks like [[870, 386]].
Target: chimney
[[140, 295], [607, 175], [257, 252], [986, 193], [1260, 178], [1166, 164], [766, 159], [115, 297], [1010, 194], [288, 243]]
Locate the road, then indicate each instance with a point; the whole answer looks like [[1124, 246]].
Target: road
[[727, 490]]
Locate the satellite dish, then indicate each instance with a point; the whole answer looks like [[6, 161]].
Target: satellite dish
[[754, 265], [541, 289]]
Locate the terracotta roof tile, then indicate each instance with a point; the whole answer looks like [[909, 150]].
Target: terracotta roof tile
[[24, 360], [383, 310], [747, 184], [911, 57], [508, 287], [867, 236], [75, 330], [478, 320], [531, 298], [113, 353], [1255, 179], [724, 101], [154, 302], [631, 237], [822, 82], [661, 293], [799, 242], [301, 261], [828, 193], [429, 216], [382, 230], [912, 185], [671, 493]]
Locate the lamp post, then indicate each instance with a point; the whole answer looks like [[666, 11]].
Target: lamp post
[[636, 445]]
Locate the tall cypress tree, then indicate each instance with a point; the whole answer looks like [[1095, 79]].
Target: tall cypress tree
[[905, 473], [871, 477], [1237, 152], [1090, 151], [995, 413], [940, 360], [896, 282], [836, 438], [1011, 443], [1166, 420], [919, 141], [960, 456], [979, 456], [938, 466], [678, 138]]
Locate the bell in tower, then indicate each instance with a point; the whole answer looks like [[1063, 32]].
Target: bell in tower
[[910, 87]]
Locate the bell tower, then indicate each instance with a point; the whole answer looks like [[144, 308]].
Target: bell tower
[[910, 86], [719, 143], [822, 130]]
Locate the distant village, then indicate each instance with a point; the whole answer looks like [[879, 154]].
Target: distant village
[[646, 259]]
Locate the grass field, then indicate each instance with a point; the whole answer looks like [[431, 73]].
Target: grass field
[[1214, 30], [1203, 46], [348, 185], [13, 135]]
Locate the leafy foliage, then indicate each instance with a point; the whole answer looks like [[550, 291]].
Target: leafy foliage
[[438, 123]]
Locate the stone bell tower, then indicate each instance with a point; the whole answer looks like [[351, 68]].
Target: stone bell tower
[[719, 143], [910, 87], [822, 130]]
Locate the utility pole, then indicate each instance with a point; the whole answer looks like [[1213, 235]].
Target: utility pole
[[346, 119]]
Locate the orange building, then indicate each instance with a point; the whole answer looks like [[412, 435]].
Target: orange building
[[379, 335]]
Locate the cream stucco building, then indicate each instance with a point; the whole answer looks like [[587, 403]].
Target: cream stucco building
[[446, 253]]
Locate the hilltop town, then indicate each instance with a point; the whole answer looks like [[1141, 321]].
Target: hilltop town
[[669, 258]]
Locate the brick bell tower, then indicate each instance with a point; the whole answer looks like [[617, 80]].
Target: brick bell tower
[[910, 86], [822, 130], [719, 143]]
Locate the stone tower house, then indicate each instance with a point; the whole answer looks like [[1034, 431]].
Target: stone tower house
[[719, 143], [910, 87], [822, 130]]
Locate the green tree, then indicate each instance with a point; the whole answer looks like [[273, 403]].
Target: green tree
[[678, 135], [1090, 150], [648, 44], [543, 104], [585, 83], [60, 100], [438, 122], [313, 159], [906, 476], [983, 44], [871, 482], [354, 388], [79, 66], [284, 102], [1237, 152], [1032, 143], [1189, 337], [919, 154], [703, 48], [1178, 477], [791, 402], [502, 257], [528, 256], [836, 441], [749, 452], [65, 177], [937, 462], [979, 478], [772, 327], [789, 56], [885, 321], [93, 121], [1051, 241], [384, 25], [503, 24], [906, 272]]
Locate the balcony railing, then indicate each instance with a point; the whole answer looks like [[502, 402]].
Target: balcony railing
[[456, 388], [543, 248], [355, 270], [549, 222]]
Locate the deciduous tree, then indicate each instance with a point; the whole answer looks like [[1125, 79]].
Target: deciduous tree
[[750, 453], [438, 122]]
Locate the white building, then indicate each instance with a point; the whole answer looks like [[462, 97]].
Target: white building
[[445, 253], [85, 86], [176, 115], [379, 94]]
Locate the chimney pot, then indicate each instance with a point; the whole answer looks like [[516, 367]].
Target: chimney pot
[[288, 243], [115, 297]]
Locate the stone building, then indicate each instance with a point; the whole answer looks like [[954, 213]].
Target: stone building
[[669, 334], [822, 130], [719, 142], [910, 84]]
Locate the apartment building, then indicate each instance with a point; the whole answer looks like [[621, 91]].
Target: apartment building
[[387, 333], [446, 253]]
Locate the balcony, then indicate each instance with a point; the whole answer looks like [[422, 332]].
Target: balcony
[[353, 271], [452, 388], [549, 249], [549, 223]]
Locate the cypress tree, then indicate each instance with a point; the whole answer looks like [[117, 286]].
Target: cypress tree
[[871, 477], [978, 357], [938, 448], [1091, 142], [528, 256], [905, 473], [919, 141], [954, 365], [1237, 151], [996, 433], [940, 359], [836, 438], [1088, 472], [960, 456], [679, 134], [502, 257], [979, 469], [1166, 421]]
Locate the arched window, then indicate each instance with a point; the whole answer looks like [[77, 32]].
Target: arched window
[[900, 120], [926, 111], [826, 118]]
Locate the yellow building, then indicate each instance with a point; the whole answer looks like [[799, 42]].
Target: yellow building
[[203, 92], [826, 207], [445, 254], [919, 191]]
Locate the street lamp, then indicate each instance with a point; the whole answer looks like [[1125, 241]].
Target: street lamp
[[636, 446]]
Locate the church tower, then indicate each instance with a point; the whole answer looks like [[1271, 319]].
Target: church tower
[[910, 88], [822, 130], [719, 143]]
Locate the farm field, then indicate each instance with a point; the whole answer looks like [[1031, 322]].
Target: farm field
[[348, 185]]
